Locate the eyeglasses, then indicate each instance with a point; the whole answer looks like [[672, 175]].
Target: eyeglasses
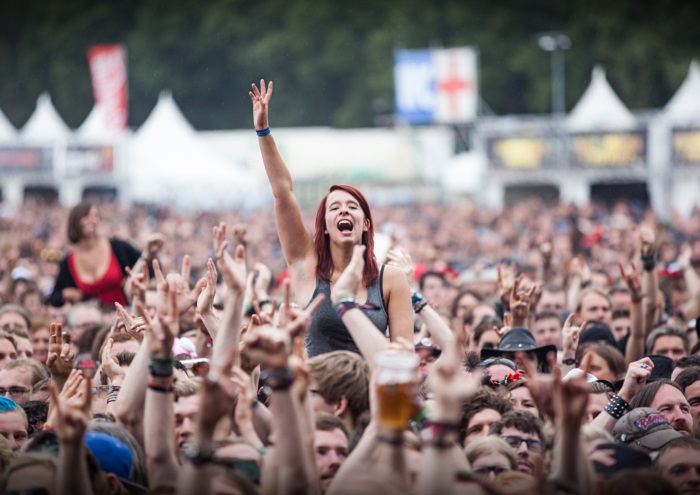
[[14, 391], [484, 471], [497, 360], [533, 445]]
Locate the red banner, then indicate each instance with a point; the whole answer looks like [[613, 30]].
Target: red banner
[[109, 83]]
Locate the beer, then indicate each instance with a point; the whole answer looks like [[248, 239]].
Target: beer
[[397, 392]]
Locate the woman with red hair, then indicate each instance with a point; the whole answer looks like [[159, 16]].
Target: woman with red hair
[[343, 221]]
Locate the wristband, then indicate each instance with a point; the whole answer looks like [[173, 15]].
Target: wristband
[[161, 366], [349, 303], [160, 383], [395, 440], [649, 262], [114, 388], [568, 361], [263, 132], [280, 379], [418, 301], [440, 434], [637, 299], [616, 407]]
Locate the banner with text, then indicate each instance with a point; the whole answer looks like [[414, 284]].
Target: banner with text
[[25, 159], [109, 83], [436, 86], [522, 152]]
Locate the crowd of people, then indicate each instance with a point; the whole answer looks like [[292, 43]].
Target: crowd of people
[[408, 349]]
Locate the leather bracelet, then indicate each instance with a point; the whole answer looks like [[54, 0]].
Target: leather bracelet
[[649, 262], [280, 379], [616, 407]]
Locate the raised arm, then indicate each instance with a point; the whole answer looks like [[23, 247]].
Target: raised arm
[[294, 238], [635, 342]]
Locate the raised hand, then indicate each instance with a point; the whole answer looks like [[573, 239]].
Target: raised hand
[[154, 243], [162, 329], [520, 302], [61, 356], [261, 100], [638, 372], [139, 282], [647, 241], [71, 415], [506, 279], [269, 346], [205, 302], [349, 281], [570, 334], [110, 366], [632, 279], [399, 257], [133, 325]]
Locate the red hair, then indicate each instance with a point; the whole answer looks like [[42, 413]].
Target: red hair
[[324, 267]]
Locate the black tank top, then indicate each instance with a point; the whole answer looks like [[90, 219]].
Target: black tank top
[[327, 333]]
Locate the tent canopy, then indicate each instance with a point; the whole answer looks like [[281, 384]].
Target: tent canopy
[[168, 163], [685, 104], [599, 108], [45, 124], [7, 130]]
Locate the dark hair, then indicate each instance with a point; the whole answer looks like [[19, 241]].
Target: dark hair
[[646, 395], [678, 443], [611, 355], [460, 295], [522, 420], [642, 481], [324, 265], [37, 412], [484, 399], [687, 361], [667, 331], [484, 326], [543, 315], [432, 273], [76, 214], [19, 309], [687, 377], [328, 422], [620, 313]]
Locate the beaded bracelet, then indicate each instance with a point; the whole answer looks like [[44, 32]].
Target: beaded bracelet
[[616, 407], [263, 132], [160, 383]]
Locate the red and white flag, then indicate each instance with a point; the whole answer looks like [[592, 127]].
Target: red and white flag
[[109, 83]]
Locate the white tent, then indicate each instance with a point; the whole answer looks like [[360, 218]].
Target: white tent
[[45, 124], [169, 164], [95, 125], [685, 104], [7, 130], [599, 108]]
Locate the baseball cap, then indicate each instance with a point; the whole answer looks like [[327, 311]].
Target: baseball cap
[[113, 455], [646, 427]]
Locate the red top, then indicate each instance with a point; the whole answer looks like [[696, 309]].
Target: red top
[[108, 289]]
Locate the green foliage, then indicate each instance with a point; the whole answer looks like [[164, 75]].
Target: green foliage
[[332, 62]]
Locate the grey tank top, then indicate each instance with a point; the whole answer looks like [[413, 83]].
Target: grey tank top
[[327, 333]]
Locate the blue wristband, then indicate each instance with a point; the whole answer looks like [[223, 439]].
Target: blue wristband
[[263, 132]]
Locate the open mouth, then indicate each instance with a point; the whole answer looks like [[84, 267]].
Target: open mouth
[[345, 226]]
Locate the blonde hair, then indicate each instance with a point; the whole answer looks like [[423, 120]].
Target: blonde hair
[[487, 445]]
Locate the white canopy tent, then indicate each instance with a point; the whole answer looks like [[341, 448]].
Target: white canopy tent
[[599, 108], [94, 127], [169, 164], [7, 130], [45, 124], [685, 104]]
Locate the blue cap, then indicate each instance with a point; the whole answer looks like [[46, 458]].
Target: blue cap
[[113, 455]]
